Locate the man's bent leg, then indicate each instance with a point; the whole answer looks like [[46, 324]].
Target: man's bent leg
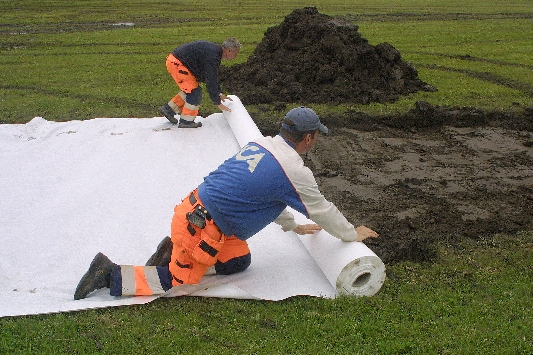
[[234, 257], [194, 249], [187, 84], [191, 108], [129, 280], [178, 102]]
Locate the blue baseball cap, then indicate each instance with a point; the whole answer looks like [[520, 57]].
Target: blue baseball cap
[[304, 120]]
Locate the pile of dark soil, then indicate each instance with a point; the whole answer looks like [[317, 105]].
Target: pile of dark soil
[[315, 58]]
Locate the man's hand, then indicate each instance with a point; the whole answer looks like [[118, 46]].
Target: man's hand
[[224, 107], [364, 232], [307, 229], [221, 105], [224, 97]]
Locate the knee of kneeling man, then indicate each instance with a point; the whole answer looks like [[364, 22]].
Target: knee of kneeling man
[[234, 265]]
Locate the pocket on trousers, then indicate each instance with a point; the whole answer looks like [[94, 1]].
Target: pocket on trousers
[[206, 251]]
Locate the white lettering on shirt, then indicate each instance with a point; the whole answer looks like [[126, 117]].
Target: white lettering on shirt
[[251, 159]]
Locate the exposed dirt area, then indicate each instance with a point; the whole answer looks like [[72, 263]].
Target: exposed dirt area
[[434, 175]]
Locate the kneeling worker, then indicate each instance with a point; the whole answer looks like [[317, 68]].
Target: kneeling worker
[[242, 196]]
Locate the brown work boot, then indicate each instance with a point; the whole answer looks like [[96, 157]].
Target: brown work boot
[[162, 255], [98, 276]]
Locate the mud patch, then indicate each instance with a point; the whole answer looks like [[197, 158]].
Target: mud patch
[[433, 176]]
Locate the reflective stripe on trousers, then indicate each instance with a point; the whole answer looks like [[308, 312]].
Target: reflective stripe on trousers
[[129, 280], [188, 103]]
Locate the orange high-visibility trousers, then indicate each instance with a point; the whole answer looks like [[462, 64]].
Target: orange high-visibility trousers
[[181, 75], [129, 280], [186, 82], [192, 254], [194, 251]]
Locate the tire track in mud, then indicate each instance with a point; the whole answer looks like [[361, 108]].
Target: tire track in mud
[[438, 16], [69, 27], [487, 77], [468, 57], [163, 21]]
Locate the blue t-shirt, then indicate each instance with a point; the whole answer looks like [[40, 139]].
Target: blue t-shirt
[[247, 192], [252, 189]]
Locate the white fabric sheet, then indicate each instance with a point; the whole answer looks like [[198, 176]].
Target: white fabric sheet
[[69, 190], [242, 125]]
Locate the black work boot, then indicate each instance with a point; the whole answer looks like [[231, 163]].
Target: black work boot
[[98, 276], [161, 257], [169, 113], [189, 124]]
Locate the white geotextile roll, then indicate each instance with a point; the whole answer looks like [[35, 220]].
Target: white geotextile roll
[[241, 123], [351, 267]]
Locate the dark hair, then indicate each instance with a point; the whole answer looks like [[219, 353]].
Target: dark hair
[[292, 135]]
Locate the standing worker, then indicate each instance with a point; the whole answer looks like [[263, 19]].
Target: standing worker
[[190, 64], [242, 196]]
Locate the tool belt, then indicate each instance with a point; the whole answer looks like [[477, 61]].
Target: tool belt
[[199, 216]]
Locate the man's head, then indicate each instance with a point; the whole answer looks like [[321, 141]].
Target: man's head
[[230, 48], [301, 127]]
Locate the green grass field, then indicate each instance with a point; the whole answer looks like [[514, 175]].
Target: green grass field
[[65, 60]]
